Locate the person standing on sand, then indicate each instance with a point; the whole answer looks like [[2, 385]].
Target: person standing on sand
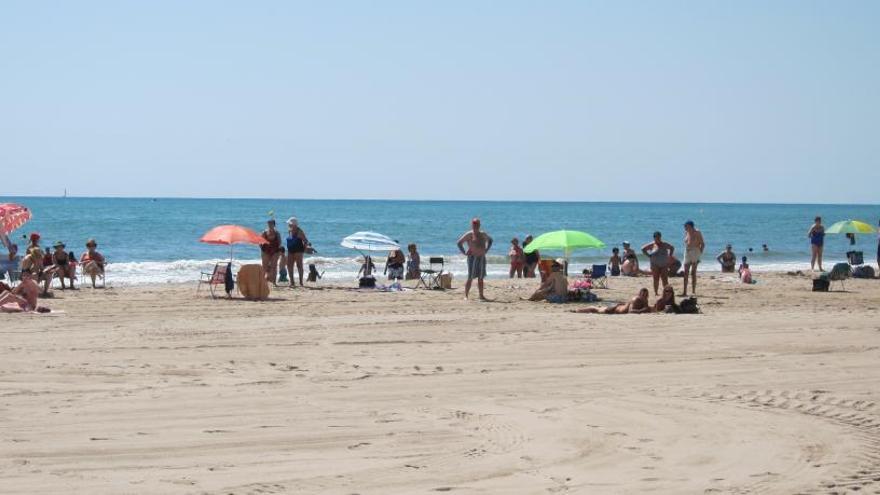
[[478, 244], [694, 245], [659, 252], [270, 252], [517, 259], [297, 242], [531, 259], [817, 243]]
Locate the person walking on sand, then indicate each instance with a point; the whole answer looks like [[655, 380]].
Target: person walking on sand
[[478, 244], [694, 245], [817, 243], [659, 252], [271, 252], [297, 242]]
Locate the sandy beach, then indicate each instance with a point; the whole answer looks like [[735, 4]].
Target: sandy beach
[[773, 389]]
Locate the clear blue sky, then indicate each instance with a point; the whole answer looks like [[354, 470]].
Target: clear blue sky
[[691, 101]]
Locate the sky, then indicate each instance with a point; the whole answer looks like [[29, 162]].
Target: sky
[[693, 101]]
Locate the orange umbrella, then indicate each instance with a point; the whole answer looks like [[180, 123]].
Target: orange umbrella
[[232, 234]]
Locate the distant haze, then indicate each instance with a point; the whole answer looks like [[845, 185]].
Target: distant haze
[[605, 101]]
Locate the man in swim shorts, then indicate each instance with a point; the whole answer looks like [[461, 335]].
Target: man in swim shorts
[[478, 244], [694, 245]]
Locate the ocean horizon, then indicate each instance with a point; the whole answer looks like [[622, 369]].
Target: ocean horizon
[[151, 240]]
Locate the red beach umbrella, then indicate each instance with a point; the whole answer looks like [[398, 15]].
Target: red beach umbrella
[[13, 216], [232, 234]]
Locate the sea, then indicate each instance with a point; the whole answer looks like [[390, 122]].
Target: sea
[[156, 240]]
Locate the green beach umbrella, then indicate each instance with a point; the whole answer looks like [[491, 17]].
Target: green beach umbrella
[[850, 227], [566, 240]]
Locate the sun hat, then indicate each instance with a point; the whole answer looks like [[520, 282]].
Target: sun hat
[[35, 236], [292, 221], [625, 243], [58, 244]]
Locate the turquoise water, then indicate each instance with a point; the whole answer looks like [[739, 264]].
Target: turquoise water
[[150, 241]]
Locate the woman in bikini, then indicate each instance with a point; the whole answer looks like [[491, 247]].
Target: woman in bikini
[[270, 252], [517, 259], [297, 243], [636, 305]]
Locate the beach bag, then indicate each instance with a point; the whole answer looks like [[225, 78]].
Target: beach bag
[[864, 271], [821, 284], [367, 283], [688, 306], [855, 257], [446, 281]]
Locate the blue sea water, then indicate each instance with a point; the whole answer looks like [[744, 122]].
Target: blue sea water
[[156, 240]]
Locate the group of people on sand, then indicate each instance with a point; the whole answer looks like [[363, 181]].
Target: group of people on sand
[[638, 304], [287, 255], [523, 264], [42, 266]]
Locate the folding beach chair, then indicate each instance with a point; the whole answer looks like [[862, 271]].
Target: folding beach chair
[[215, 278], [839, 273], [100, 276], [599, 276], [430, 277]]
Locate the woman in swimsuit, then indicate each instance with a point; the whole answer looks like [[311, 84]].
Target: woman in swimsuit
[[817, 243], [659, 252], [517, 259], [394, 264], [270, 252], [727, 258], [297, 242], [92, 261], [63, 265], [667, 300], [531, 259], [413, 270]]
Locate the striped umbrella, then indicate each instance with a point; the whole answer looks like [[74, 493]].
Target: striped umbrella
[[13, 216]]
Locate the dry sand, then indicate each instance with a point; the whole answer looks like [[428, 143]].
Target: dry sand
[[774, 389]]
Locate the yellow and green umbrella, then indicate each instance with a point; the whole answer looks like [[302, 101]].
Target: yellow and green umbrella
[[565, 240], [851, 227]]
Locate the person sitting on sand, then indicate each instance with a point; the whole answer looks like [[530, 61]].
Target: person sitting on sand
[[413, 265], [614, 262], [23, 298], [367, 267], [636, 305], [666, 300], [555, 288], [727, 259], [92, 261], [745, 273], [674, 269], [64, 266]]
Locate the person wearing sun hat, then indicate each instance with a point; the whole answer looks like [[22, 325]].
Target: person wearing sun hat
[[297, 243], [62, 265], [92, 261]]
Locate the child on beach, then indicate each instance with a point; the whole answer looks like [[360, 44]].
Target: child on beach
[[614, 262], [282, 273], [745, 274], [367, 267]]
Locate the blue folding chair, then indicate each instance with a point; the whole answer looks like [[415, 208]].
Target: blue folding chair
[[599, 275]]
